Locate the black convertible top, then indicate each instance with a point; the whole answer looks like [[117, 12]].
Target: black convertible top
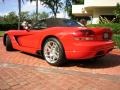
[[56, 22], [52, 22]]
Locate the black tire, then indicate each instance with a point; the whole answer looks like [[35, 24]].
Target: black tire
[[9, 46], [57, 52]]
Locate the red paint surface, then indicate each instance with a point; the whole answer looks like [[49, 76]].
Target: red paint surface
[[75, 48]]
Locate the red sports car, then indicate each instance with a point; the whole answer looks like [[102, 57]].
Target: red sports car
[[59, 40]]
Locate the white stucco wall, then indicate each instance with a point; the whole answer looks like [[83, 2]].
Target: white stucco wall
[[100, 3], [95, 8], [76, 9], [101, 11]]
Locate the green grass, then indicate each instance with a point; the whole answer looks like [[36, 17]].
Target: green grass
[[2, 33], [116, 39]]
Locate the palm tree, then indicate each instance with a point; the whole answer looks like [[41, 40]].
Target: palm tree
[[19, 13], [36, 8]]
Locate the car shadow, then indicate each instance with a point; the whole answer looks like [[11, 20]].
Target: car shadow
[[36, 56], [110, 60]]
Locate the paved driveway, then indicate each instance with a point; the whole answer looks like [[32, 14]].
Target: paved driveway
[[109, 64], [22, 71]]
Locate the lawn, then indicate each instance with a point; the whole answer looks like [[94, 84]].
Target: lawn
[[1, 33]]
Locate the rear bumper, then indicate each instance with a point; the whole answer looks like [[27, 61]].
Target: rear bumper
[[87, 50]]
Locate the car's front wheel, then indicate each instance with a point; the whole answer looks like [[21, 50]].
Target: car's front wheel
[[9, 46], [53, 52]]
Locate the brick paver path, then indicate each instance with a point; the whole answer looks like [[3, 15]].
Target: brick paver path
[[21, 71], [19, 77]]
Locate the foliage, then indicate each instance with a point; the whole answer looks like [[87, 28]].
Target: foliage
[[117, 12], [25, 16], [10, 21], [78, 1], [104, 20], [19, 12], [42, 15], [4, 26], [1, 33], [68, 7], [54, 5], [11, 17], [116, 39], [115, 26], [36, 14]]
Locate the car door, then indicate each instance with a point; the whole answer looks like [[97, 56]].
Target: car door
[[32, 37]]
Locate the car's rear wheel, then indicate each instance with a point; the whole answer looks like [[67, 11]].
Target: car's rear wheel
[[9, 46], [53, 52]]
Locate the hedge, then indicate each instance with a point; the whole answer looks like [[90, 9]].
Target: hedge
[[4, 26], [116, 39], [1, 33], [115, 26]]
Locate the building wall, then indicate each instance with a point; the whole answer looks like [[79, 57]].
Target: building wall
[[78, 9], [101, 11], [100, 3], [95, 8]]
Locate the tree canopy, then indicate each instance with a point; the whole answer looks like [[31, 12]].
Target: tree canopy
[[54, 5], [12, 17], [117, 12], [78, 1]]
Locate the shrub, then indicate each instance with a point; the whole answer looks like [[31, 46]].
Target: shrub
[[115, 26], [116, 39], [1, 33], [4, 26]]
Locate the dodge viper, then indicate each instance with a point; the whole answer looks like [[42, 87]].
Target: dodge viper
[[59, 40]]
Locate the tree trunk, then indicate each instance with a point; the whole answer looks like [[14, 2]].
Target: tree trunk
[[19, 13], [55, 15], [36, 10]]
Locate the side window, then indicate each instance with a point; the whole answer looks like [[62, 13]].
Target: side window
[[40, 25]]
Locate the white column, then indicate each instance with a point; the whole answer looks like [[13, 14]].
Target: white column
[[95, 19]]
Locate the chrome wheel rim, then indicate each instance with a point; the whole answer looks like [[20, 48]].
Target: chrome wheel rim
[[51, 51]]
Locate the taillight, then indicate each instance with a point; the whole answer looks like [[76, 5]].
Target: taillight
[[84, 35], [87, 32], [107, 36]]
